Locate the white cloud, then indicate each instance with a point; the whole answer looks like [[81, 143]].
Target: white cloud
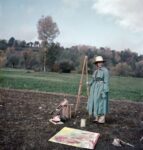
[[128, 13]]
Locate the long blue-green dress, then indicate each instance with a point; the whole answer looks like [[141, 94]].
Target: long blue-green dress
[[99, 89]]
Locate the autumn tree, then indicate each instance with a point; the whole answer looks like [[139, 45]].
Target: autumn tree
[[139, 69], [122, 69], [47, 29], [47, 32], [2, 58], [26, 57]]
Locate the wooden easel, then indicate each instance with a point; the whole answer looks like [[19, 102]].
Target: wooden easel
[[84, 69]]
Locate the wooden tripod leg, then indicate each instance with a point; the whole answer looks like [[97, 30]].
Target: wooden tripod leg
[[80, 84], [86, 68], [70, 110]]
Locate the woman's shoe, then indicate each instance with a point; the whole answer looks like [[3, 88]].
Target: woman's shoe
[[96, 119], [101, 120]]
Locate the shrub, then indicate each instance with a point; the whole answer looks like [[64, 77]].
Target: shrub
[[66, 66]]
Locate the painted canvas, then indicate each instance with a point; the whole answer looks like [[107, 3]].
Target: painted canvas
[[76, 137]]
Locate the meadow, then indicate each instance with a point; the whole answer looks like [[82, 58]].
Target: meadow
[[25, 114], [121, 88]]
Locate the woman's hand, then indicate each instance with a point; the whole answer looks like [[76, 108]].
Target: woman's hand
[[87, 83], [103, 94]]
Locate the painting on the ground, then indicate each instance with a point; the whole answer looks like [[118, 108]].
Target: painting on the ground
[[76, 137]]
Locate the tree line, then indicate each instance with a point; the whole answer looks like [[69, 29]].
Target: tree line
[[46, 55]]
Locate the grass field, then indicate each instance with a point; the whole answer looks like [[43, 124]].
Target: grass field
[[121, 88]]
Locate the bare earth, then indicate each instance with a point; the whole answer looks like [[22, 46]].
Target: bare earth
[[24, 122]]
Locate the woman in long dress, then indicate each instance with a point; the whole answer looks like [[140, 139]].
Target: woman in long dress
[[99, 88]]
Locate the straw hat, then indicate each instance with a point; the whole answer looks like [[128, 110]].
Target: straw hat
[[98, 59]]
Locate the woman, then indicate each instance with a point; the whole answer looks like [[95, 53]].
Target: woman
[[99, 89]]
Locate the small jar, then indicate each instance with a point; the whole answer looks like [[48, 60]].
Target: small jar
[[83, 123]]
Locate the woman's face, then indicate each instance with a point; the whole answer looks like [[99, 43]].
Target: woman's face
[[99, 64]]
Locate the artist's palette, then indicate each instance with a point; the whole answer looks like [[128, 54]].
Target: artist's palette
[[76, 137]]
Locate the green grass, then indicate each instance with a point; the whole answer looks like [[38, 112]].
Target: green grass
[[121, 88], [126, 88]]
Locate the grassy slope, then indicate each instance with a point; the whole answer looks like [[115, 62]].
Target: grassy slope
[[120, 87]]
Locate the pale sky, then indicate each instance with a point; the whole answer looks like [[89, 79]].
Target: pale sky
[[117, 24]]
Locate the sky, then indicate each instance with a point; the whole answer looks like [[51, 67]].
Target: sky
[[117, 24]]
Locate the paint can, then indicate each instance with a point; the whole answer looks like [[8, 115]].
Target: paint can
[[83, 123]]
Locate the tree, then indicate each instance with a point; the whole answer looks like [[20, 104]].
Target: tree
[[11, 42], [47, 32], [36, 44], [122, 69], [2, 58], [16, 43], [22, 44], [47, 29], [13, 60], [3, 44], [26, 56], [66, 66], [116, 57], [30, 44], [139, 69], [53, 54]]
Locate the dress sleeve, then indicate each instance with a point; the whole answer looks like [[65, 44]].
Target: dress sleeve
[[106, 81], [93, 78]]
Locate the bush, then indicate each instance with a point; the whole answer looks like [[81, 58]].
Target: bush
[[66, 66], [139, 69], [55, 68], [122, 69], [13, 61]]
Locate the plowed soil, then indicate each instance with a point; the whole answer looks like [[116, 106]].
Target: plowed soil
[[24, 122]]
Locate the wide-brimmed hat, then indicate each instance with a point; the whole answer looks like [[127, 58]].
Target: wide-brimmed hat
[[98, 59]]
